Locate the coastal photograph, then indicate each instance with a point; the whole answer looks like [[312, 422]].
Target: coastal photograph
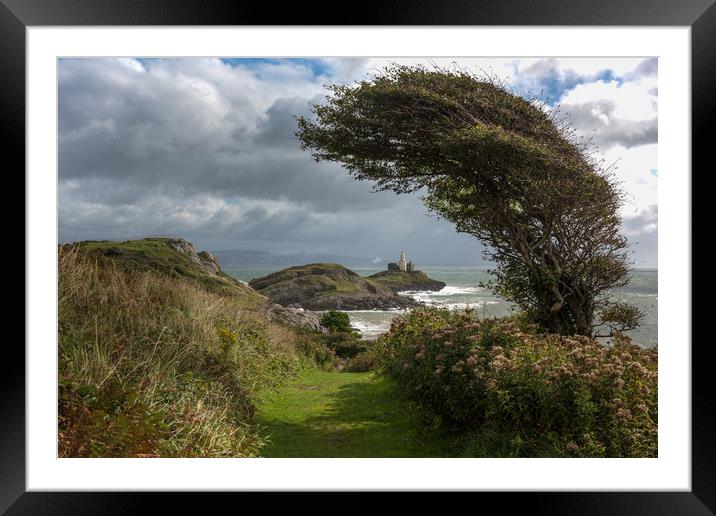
[[357, 257]]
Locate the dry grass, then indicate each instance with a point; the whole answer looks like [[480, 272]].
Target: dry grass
[[151, 365]]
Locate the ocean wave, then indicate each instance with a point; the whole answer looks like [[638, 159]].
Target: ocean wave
[[465, 306], [453, 297], [377, 311], [371, 329], [448, 290]]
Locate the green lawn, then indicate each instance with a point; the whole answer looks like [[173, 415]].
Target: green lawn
[[329, 414]]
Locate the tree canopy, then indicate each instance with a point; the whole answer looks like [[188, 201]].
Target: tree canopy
[[499, 167]]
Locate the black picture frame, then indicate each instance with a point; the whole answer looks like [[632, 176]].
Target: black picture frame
[[700, 15]]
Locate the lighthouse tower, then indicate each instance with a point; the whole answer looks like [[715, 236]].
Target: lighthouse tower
[[402, 263]]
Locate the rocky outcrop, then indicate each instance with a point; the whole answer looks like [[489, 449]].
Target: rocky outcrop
[[402, 281], [321, 286], [205, 259], [208, 261], [297, 317]]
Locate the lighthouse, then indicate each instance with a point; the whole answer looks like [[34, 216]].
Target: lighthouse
[[402, 263]]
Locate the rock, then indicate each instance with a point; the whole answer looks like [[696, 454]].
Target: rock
[[208, 261], [297, 317], [205, 259]]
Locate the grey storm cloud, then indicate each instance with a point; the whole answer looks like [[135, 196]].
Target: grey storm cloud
[[597, 119], [168, 143]]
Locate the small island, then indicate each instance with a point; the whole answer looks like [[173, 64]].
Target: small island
[[328, 286], [331, 286]]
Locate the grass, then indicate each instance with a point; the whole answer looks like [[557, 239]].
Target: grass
[[329, 414]]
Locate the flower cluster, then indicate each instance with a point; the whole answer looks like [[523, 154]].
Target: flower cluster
[[580, 396]]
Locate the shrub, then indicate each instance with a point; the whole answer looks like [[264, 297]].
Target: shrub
[[336, 321], [345, 345], [541, 393], [316, 351], [342, 339], [365, 361]]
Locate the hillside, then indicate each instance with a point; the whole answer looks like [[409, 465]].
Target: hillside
[[401, 281], [327, 286], [160, 354]]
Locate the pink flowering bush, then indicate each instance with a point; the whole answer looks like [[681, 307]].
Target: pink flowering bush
[[544, 393]]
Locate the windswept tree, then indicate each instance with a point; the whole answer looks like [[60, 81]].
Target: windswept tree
[[499, 167]]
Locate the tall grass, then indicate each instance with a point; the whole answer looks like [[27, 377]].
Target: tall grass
[[151, 365]]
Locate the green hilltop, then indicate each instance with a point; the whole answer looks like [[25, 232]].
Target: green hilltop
[[172, 256]]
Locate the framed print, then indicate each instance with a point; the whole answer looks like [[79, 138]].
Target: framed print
[[415, 250]]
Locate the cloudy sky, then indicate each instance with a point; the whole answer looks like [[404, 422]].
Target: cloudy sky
[[204, 149]]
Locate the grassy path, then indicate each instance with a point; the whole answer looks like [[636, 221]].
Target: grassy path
[[329, 414]]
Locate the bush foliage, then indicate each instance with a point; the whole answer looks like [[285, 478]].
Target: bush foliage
[[337, 321], [362, 362], [535, 393]]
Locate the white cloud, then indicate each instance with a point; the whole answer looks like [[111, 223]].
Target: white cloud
[[632, 101]]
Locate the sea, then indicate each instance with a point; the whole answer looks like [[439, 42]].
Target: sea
[[463, 291]]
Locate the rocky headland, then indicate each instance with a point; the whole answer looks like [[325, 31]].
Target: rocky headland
[[328, 286]]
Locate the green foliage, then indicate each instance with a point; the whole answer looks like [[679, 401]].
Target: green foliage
[[345, 345], [316, 351], [525, 393], [364, 361], [619, 317], [336, 321], [344, 340]]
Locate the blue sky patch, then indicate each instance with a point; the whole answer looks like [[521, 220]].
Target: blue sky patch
[[317, 66]]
